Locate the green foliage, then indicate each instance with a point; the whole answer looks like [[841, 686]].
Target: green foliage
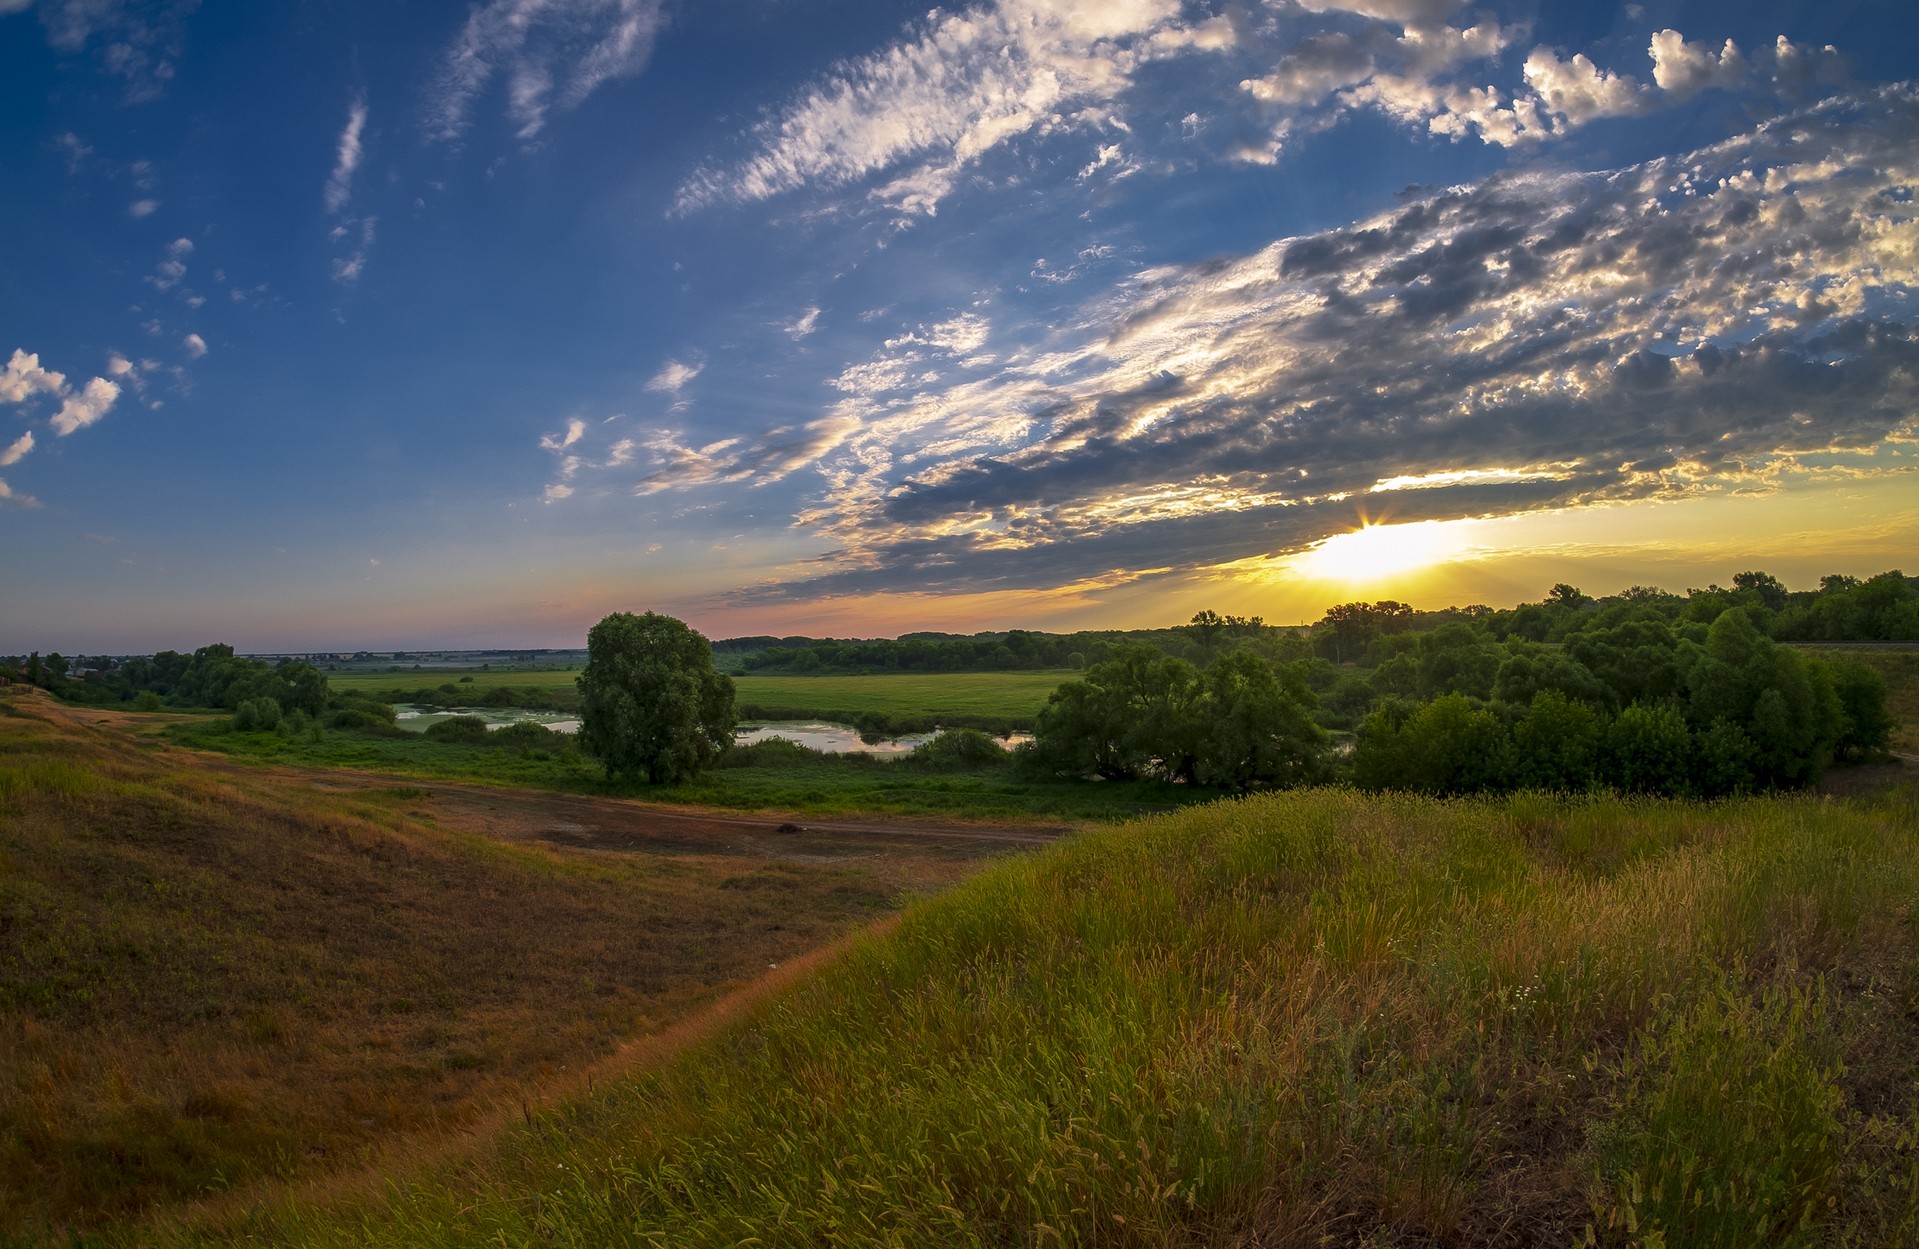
[[960, 748], [651, 703], [1448, 746], [1238, 724], [469, 729], [1257, 726], [255, 714], [1726, 1131], [1556, 744], [1648, 750], [1865, 724]]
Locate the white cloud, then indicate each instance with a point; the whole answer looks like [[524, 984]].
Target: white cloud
[[80, 410], [550, 52], [804, 325], [346, 159], [140, 42], [10, 498], [348, 268], [1684, 69], [960, 85], [558, 491], [1580, 91], [142, 208], [575, 428], [14, 6], [673, 376], [195, 345], [15, 453], [23, 378]]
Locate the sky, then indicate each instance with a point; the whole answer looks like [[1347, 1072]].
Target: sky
[[362, 324]]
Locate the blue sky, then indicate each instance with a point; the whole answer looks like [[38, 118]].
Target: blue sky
[[373, 323]]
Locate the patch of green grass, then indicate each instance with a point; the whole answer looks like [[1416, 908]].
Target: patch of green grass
[[1004, 695], [1307, 1018], [1000, 695], [797, 780]]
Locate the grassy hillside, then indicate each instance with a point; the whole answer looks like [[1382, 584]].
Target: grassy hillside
[[212, 977], [1291, 1020]]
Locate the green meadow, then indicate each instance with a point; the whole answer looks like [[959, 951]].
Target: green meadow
[[1298, 1019], [993, 695]]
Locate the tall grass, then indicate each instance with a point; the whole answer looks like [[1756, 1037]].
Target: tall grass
[[1290, 1020]]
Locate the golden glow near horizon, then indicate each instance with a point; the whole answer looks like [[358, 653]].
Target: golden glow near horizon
[[1374, 553]]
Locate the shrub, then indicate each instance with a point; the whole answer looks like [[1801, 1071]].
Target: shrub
[[960, 748], [526, 734], [1648, 751], [468, 729], [254, 714]]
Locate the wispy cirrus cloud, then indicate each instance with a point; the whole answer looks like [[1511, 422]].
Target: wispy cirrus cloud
[[958, 86], [347, 153], [552, 54], [903, 126], [352, 234], [137, 42], [1699, 323]]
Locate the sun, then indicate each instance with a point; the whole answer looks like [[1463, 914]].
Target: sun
[[1376, 553]]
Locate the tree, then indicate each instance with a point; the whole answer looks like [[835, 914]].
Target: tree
[[1260, 726], [651, 702]]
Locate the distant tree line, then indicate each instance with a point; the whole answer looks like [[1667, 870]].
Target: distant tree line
[[1884, 608], [1642, 692]]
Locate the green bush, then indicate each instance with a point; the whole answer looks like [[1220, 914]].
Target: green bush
[[960, 748], [469, 729], [254, 714]]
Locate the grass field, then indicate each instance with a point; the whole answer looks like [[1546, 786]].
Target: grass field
[[406, 678], [1304, 1019], [998, 695], [799, 782], [211, 977]]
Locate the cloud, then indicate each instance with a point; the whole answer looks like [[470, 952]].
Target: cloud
[[79, 410], [348, 268], [195, 345], [17, 451], [346, 159], [559, 442], [803, 325], [142, 208], [14, 6], [959, 85], [10, 498], [23, 378], [674, 376], [139, 41], [1698, 323], [770, 457], [551, 53]]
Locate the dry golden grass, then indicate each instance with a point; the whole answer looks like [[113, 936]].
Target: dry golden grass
[[210, 976]]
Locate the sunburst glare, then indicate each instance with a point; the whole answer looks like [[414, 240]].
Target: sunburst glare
[[1375, 553]]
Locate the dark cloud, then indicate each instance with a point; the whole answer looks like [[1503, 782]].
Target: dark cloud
[[1656, 329]]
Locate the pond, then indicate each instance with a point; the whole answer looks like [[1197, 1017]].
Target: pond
[[418, 717], [840, 738], [814, 734]]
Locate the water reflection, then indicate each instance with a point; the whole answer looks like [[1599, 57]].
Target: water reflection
[[813, 734]]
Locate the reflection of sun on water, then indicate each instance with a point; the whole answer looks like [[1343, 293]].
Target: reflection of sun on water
[[1378, 552]]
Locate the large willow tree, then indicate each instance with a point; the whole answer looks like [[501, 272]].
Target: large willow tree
[[651, 703]]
